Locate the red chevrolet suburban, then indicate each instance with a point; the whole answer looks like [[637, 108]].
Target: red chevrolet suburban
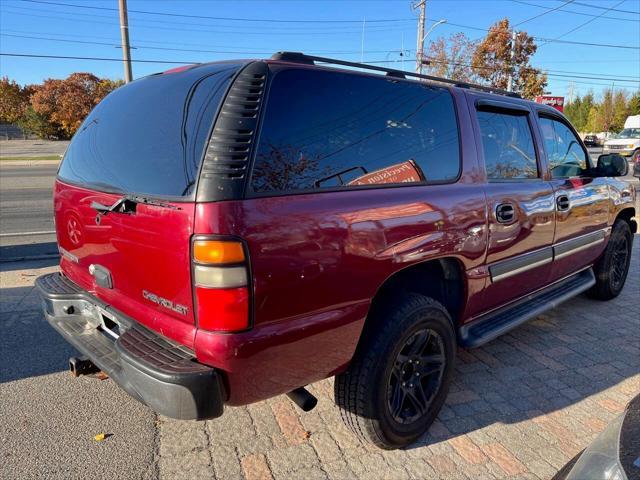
[[232, 231]]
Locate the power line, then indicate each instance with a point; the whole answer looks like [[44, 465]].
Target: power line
[[608, 9], [469, 27], [252, 52], [564, 10], [138, 46], [234, 19], [550, 40], [585, 23], [218, 29], [556, 79], [544, 13], [69, 57]]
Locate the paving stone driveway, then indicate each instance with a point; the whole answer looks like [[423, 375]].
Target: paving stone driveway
[[520, 407]]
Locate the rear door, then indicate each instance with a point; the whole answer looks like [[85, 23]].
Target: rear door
[[145, 141], [582, 202], [520, 202]]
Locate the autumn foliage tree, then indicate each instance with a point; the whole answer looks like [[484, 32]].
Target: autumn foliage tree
[[491, 61], [451, 58], [67, 102], [14, 100]]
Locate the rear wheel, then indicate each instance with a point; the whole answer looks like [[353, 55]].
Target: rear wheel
[[612, 267], [400, 375]]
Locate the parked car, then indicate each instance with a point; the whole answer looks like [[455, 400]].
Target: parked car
[[237, 230], [627, 142], [591, 140], [614, 454]]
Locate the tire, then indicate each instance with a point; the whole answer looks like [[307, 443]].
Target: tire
[[385, 359], [612, 267]]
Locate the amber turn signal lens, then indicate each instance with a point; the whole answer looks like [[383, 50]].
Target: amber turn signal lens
[[218, 251]]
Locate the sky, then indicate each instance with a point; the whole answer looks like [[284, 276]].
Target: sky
[[165, 31]]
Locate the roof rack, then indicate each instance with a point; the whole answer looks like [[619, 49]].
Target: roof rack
[[299, 57]]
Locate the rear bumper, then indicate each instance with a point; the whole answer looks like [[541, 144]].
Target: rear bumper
[[153, 369]]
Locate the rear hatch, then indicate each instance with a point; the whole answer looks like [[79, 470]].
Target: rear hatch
[[138, 153]]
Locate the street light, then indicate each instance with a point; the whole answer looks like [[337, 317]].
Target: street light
[[439, 22]]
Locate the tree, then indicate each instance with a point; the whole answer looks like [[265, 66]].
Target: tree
[[451, 58], [492, 62], [67, 102], [578, 111], [14, 100], [39, 125], [620, 110], [633, 106]]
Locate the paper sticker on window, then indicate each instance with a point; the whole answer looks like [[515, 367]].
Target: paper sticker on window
[[405, 172]]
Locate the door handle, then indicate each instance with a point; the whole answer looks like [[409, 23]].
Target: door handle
[[505, 213], [562, 203]]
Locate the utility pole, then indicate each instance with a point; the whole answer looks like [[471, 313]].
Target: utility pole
[[511, 65], [124, 33], [422, 5]]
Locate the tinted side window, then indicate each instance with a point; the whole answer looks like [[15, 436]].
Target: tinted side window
[[508, 146], [331, 130], [147, 137], [564, 152]]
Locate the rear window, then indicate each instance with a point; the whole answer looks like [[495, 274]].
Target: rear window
[[328, 130], [148, 137]]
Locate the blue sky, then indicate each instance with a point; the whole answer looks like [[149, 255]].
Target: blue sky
[[312, 27]]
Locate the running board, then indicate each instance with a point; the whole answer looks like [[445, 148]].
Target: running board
[[492, 325]]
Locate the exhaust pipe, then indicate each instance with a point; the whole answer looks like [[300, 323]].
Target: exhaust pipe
[[81, 366], [303, 399]]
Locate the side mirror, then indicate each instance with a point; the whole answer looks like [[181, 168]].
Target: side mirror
[[612, 165]]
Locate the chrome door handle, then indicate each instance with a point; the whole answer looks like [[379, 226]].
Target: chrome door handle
[[562, 203], [505, 213]]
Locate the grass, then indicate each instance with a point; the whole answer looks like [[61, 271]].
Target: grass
[[41, 157]]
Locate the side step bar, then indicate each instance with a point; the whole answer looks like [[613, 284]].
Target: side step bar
[[495, 323]]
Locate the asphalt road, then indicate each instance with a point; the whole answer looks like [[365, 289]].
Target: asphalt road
[[48, 419], [26, 209]]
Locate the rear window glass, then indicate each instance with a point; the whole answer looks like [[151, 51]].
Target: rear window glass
[[148, 137], [327, 129]]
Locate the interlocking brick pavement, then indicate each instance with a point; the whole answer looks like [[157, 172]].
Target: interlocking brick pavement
[[520, 407]]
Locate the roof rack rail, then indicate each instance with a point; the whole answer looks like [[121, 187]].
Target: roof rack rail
[[299, 57]]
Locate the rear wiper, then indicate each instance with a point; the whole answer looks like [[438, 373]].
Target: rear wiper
[[149, 201], [122, 205], [127, 204]]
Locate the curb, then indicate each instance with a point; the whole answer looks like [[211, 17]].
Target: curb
[[28, 163]]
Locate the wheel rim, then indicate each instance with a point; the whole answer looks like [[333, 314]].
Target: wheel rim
[[619, 260], [416, 376]]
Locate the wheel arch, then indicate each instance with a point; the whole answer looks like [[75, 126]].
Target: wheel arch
[[442, 279], [627, 215]]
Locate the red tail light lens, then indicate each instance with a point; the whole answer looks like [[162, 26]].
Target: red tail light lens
[[221, 283], [223, 309]]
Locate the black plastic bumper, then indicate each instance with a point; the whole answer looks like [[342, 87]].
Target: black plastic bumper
[[153, 369]]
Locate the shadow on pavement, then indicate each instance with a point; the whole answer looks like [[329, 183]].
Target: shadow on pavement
[[12, 253], [29, 347]]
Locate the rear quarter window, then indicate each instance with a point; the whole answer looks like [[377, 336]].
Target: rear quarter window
[[148, 137], [334, 130]]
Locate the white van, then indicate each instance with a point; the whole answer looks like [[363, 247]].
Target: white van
[[627, 142]]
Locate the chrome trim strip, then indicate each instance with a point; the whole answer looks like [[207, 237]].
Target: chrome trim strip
[[582, 243], [577, 249], [524, 268]]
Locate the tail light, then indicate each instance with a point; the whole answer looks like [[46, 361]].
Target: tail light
[[221, 283]]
